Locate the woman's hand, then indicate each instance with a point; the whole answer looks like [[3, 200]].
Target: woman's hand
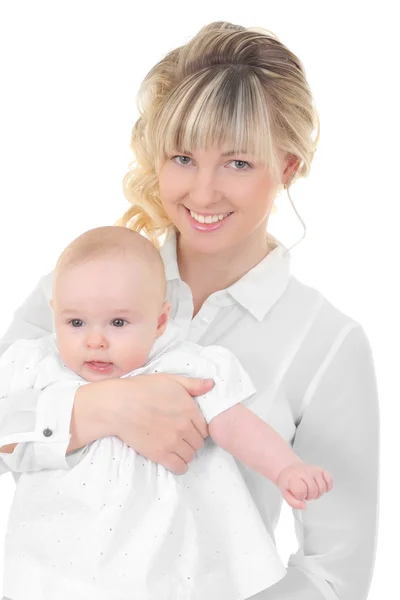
[[153, 414]]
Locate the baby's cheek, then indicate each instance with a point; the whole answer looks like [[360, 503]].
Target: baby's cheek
[[133, 351], [77, 367], [135, 358], [69, 357]]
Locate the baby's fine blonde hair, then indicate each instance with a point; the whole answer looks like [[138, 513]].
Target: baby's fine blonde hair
[[229, 85], [113, 241]]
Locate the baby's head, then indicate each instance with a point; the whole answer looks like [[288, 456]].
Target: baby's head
[[108, 302]]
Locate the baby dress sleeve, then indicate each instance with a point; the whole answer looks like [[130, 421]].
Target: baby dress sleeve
[[232, 383]]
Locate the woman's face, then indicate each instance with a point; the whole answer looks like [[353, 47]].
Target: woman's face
[[218, 201]]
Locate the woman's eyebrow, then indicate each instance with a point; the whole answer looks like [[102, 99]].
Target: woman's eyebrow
[[229, 153]]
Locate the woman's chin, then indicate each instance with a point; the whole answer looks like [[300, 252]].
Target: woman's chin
[[205, 244]]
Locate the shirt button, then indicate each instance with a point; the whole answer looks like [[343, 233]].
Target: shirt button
[[47, 432], [205, 321]]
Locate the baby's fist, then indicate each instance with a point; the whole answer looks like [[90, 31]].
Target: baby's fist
[[301, 482]]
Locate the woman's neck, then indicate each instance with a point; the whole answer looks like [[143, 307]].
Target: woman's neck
[[206, 273]]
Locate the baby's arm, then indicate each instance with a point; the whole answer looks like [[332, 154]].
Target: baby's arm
[[257, 445], [248, 438]]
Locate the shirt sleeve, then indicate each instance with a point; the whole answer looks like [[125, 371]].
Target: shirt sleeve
[[27, 414], [33, 318], [338, 430], [232, 383]]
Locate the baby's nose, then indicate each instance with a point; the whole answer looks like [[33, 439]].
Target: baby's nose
[[96, 340]]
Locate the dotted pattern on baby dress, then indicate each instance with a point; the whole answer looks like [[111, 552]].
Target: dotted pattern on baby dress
[[186, 516]]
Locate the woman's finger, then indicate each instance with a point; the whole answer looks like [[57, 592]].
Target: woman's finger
[[194, 438], [174, 463], [193, 385], [184, 451], [199, 423]]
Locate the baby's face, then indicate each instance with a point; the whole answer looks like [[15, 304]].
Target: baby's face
[[107, 316]]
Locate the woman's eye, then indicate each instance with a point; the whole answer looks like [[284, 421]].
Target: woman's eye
[[242, 165], [118, 322], [242, 162], [76, 322], [181, 156]]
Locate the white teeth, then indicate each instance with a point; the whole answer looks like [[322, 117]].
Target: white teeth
[[208, 218]]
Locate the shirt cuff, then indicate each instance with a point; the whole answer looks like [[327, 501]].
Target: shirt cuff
[[54, 412]]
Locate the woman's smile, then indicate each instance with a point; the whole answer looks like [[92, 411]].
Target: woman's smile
[[206, 222]]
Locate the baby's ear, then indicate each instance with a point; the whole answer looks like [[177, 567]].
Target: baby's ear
[[163, 319], [167, 308]]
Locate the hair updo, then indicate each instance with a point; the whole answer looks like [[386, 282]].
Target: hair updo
[[228, 85]]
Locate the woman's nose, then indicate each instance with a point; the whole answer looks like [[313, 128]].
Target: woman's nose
[[203, 191]]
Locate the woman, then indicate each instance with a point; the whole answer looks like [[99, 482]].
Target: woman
[[226, 121]]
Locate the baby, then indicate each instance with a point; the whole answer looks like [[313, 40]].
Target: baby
[[117, 526]]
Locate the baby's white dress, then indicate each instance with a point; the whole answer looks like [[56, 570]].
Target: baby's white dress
[[117, 526]]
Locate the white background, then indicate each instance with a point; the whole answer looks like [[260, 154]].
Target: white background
[[69, 75]]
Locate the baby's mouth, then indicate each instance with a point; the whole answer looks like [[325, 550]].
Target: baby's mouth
[[99, 366]]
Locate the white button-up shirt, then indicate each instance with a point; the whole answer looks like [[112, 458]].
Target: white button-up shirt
[[313, 369]]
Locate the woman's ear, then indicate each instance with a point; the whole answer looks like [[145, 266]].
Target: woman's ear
[[292, 163], [163, 319]]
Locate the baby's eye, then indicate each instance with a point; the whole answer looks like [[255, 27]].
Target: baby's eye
[[76, 322], [118, 322]]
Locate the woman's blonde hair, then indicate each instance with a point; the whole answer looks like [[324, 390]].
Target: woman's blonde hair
[[229, 85]]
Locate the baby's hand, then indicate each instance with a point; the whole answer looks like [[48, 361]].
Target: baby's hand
[[302, 482]]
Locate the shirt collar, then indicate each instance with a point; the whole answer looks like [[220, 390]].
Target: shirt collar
[[172, 337], [168, 254], [258, 290]]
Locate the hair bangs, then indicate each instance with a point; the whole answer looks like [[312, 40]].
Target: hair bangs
[[226, 108]]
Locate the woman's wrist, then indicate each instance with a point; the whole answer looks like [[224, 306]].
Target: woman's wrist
[[93, 413]]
